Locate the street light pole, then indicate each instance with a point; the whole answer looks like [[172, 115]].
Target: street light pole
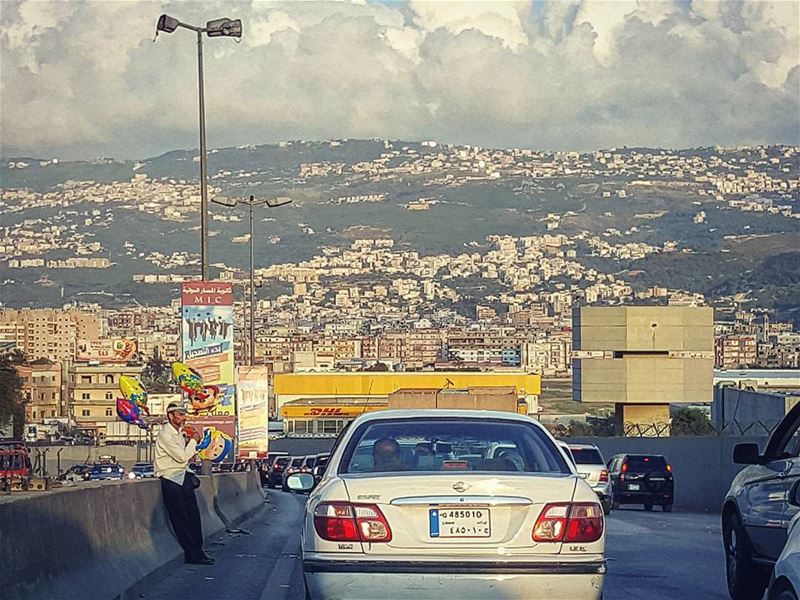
[[217, 28], [203, 163], [251, 203]]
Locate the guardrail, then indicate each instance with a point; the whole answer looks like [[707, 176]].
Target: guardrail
[[96, 542]]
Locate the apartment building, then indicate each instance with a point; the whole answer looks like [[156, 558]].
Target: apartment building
[[48, 333], [93, 390], [41, 386]]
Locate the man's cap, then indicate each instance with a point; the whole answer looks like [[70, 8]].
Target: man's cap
[[175, 407]]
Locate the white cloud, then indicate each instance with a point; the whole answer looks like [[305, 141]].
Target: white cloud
[[84, 78]]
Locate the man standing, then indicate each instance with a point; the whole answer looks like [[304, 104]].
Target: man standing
[[173, 453]]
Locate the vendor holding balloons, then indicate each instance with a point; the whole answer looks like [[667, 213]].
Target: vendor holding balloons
[[175, 447]]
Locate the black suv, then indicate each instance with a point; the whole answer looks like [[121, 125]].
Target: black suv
[[642, 479]]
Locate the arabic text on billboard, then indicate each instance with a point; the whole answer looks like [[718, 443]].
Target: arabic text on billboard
[[112, 350], [207, 340], [252, 400]]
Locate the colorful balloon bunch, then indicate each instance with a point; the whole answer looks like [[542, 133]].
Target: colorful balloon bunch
[[202, 397], [133, 403]]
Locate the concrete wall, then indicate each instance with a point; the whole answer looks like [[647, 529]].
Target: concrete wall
[[96, 541], [702, 466], [748, 412]]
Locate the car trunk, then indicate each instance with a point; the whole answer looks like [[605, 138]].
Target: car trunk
[[463, 513]]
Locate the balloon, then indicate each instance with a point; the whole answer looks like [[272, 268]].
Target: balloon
[[133, 391], [215, 445], [130, 412], [202, 397], [133, 402]]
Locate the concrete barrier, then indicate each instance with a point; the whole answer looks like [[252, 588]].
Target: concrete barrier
[[702, 466], [98, 541]]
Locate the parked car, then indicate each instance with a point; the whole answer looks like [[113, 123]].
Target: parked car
[[785, 581], [319, 467], [142, 471], [756, 512], [103, 471], [67, 440], [589, 463], [642, 479], [275, 472], [76, 473], [293, 467], [414, 496]]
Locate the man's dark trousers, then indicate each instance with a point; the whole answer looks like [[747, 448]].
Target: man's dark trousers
[[184, 516]]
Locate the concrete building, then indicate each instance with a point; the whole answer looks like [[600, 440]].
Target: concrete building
[[93, 390], [47, 333], [642, 359], [41, 385], [735, 351]]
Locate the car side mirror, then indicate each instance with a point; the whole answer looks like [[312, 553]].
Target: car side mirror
[[746, 454], [794, 494], [300, 482]]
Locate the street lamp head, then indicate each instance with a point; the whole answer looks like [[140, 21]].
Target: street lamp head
[[278, 201], [224, 201], [167, 24], [224, 28]]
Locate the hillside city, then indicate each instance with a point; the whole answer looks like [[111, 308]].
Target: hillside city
[[370, 302]]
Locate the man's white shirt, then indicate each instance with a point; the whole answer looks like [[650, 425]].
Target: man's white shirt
[[173, 454]]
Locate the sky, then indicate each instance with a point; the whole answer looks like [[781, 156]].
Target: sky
[[80, 80]]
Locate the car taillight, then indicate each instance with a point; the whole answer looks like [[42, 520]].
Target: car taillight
[[669, 468], [346, 522], [277, 468], [624, 468], [603, 476], [575, 522]]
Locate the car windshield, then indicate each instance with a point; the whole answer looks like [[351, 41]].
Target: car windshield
[[297, 462], [646, 464], [587, 456], [451, 445]]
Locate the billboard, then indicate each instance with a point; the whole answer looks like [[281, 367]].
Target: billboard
[[207, 344], [252, 401], [111, 350]]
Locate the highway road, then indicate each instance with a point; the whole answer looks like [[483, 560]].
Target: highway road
[[654, 555]]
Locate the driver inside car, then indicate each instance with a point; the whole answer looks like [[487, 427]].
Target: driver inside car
[[386, 456]]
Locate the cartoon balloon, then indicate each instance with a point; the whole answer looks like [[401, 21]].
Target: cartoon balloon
[[215, 445], [202, 397], [132, 390], [130, 413], [133, 402]]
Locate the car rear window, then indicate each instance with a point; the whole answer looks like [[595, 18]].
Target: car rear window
[[587, 456], [451, 445], [646, 464], [283, 461], [297, 462]]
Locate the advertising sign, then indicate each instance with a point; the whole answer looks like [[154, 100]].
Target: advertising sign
[[112, 350], [252, 400], [207, 342]]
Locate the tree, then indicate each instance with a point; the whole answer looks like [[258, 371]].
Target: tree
[[690, 421], [378, 366], [12, 400], [156, 376]]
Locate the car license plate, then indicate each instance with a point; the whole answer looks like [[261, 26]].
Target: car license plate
[[633, 486], [460, 522]]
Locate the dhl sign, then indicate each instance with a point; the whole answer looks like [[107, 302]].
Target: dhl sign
[[343, 412]]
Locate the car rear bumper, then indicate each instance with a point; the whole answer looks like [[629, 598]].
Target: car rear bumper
[[642, 496], [354, 580]]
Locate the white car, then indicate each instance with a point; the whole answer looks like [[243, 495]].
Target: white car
[[785, 580], [423, 504]]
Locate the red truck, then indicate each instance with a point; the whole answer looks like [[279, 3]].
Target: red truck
[[15, 463]]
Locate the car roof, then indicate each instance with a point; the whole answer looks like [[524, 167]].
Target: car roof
[[443, 413], [583, 446]]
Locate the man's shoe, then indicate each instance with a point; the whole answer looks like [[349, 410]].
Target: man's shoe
[[201, 561]]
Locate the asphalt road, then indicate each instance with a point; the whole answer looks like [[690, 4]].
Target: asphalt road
[[653, 555]]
